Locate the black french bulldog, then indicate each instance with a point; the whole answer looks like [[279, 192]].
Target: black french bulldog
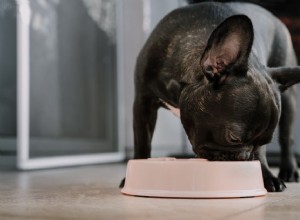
[[227, 67]]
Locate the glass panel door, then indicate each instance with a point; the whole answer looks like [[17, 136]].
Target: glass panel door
[[67, 82]]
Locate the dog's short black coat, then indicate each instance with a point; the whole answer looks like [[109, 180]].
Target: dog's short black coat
[[229, 68]]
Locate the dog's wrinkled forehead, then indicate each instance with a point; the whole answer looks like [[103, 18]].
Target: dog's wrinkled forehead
[[236, 98], [241, 99]]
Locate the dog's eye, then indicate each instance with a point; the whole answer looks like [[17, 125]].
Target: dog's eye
[[233, 138], [209, 69]]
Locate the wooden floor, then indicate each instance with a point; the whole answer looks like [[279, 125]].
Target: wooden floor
[[91, 192]]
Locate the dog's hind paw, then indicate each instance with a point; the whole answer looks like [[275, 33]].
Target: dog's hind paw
[[289, 170]]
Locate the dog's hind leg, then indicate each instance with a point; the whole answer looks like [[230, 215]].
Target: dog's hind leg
[[288, 166], [284, 56]]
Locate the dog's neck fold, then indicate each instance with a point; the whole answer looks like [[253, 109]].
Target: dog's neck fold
[[175, 111]]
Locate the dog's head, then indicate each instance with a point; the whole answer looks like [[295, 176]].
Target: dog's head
[[235, 108]]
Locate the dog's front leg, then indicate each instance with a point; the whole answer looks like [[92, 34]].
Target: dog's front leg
[[144, 119], [272, 183]]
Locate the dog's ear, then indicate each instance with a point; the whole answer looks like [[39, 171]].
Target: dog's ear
[[285, 76], [228, 47]]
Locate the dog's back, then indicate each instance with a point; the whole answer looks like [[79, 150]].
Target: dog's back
[[174, 47]]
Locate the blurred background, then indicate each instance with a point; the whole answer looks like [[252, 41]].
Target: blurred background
[[80, 57]]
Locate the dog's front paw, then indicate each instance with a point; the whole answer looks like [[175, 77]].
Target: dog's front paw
[[122, 183], [272, 183], [289, 170]]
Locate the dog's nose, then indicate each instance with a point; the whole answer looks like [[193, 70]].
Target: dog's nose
[[244, 155]]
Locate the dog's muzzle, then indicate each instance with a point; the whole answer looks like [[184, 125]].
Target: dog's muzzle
[[225, 154]]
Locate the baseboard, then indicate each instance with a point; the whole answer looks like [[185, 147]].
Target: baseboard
[[275, 157], [8, 162], [163, 151]]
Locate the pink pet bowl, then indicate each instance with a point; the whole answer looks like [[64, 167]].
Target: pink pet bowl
[[193, 178]]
